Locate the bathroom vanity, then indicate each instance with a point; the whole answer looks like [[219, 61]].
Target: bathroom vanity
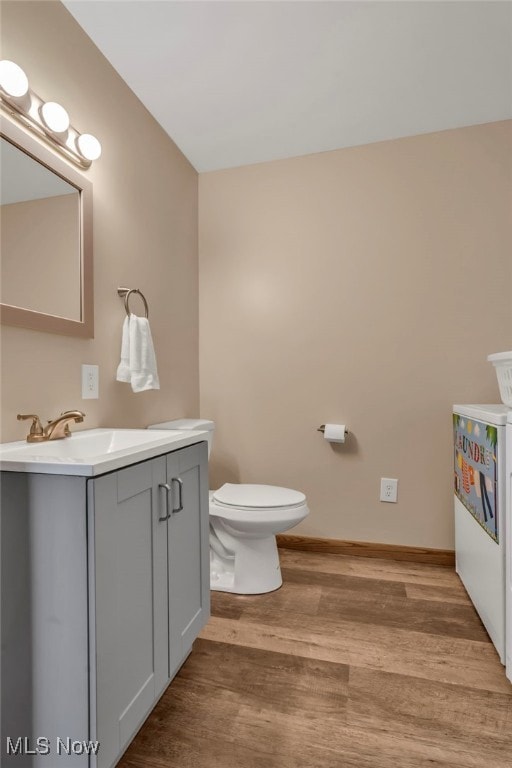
[[105, 586]]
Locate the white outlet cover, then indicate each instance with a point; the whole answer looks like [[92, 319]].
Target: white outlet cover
[[90, 382], [389, 489]]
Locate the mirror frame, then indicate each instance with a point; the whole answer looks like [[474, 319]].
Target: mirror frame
[[40, 321]]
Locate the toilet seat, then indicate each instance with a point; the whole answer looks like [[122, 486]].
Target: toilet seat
[[257, 498], [253, 506]]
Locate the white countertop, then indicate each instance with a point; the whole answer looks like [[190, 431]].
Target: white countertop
[[93, 452]]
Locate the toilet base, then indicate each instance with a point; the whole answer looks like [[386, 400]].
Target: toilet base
[[252, 569], [226, 585]]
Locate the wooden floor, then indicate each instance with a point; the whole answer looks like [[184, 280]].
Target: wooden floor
[[353, 663]]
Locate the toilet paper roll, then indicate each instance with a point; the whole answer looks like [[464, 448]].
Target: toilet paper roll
[[335, 433]]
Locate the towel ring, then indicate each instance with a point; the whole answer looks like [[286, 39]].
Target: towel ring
[[125, 293]]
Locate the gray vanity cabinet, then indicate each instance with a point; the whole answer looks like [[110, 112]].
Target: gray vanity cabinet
[[151, 586], [109, 587]]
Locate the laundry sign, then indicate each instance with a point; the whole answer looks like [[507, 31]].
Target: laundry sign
[[476, 448]]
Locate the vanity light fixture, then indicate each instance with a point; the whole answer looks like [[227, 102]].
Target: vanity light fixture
[[55, 117], [88, 146], [13, 80], [48, 120]]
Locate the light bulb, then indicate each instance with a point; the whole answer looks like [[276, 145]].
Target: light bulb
[[55, 117], [88, 146], [13, 80]]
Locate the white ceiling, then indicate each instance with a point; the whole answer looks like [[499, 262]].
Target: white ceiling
[[244, 82]]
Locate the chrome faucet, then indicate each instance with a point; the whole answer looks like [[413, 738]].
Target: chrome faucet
[[56, 429]]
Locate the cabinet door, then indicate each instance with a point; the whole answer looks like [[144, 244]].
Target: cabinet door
[[189, 556], [129, 645]]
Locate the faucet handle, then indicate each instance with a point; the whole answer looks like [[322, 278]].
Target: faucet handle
[[36, 428]]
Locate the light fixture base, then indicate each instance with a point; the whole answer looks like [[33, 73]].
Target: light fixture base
[[29, 110]]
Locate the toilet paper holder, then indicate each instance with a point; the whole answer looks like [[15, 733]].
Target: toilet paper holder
[[321, 428]]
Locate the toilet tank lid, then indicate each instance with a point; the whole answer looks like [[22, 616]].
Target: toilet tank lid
[[200, 424]]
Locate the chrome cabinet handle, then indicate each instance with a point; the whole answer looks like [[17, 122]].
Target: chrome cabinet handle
[[180, 494], [167, 493]]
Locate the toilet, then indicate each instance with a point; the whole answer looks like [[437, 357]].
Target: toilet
[[244, 521]]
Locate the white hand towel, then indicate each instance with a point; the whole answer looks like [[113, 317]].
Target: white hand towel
[[138, 362], [123, 369], [144, 374]]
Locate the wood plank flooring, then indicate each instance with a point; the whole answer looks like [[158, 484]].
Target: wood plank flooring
[[353, 663]]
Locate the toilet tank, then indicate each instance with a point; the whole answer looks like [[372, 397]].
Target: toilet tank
[[184, 424]]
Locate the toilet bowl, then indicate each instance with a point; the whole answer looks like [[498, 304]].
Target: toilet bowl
[[244, 521]]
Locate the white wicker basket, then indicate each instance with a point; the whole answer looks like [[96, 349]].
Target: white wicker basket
[[502, 361]]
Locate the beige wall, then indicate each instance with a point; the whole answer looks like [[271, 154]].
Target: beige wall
[[363, 286], [145, 235], [40, 255]]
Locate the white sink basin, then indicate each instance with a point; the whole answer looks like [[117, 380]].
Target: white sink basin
[[83, 445], [93, 451]]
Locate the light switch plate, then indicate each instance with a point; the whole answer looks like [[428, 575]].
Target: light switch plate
[[90, 382]]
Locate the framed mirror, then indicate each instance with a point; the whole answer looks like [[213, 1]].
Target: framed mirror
[[46, 238]]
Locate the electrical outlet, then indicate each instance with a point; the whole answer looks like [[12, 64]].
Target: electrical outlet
[[388, 489], [90, 376]]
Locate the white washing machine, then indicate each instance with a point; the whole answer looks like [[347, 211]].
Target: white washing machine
[[508, 578], [480, 520]]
